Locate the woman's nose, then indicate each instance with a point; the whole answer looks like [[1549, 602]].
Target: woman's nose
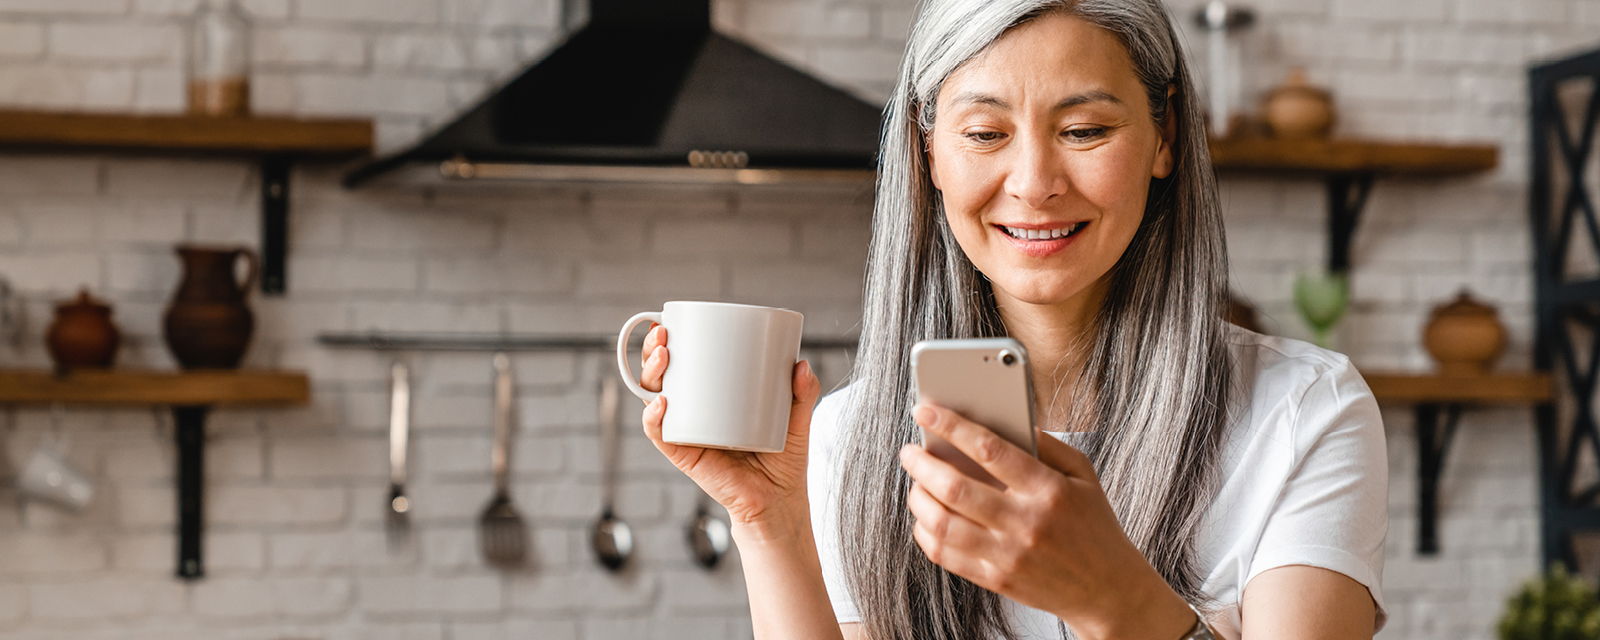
[[1037, 173]]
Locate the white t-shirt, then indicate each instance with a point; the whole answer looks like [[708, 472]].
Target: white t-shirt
[[1305, 482]]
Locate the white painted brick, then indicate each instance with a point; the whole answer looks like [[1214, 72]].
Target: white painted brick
[[561, 500], [348, 274], [308, 47], [789, 282], [234, 458], [1520, 13], [484, 276], [13, 603], [54, 87], [854, 63], [443, 52], [652, 279], [66, 6], [55, 273], [321, 94], [551, 593], [493, 14], [188, 178], [123, 43], [1414, 86], [311, 596], [428, 230], [1412, 10], [33, 554], [721, 238], [429, 594], [21, 40], [105, 599], [232, 598], [1455, 45], [372, 11], [426, 316], [255, 9], [808, 19], [331, 550], [329, 457], [246, 505], [516, 630]]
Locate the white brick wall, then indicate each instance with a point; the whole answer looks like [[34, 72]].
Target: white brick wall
[[296, 546]]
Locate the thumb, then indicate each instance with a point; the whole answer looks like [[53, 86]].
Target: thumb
[[806, 390], [1064, 457]]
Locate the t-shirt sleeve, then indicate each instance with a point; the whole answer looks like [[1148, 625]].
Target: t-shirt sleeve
[[823, 473], [1333, 510]]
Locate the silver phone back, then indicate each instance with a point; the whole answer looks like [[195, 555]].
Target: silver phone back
[[970, 377]]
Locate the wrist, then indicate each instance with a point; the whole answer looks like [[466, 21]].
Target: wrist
[[1153, 611], [782, 525]]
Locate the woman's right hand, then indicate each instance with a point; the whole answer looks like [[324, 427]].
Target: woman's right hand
[[762, 490]]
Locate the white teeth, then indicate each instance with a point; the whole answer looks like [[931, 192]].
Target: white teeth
[[1043, 234]]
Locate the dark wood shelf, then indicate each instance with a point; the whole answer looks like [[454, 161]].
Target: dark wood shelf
[[145, 387], [1328, 156], [184, 134], [1528, 388]]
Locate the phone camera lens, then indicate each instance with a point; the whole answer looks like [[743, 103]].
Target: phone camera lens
[[1007, 358]]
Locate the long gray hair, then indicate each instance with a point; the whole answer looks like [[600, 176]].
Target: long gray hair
[[1156, 374]]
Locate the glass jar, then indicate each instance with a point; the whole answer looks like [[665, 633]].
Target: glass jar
[[219, 60], [1225, 27]]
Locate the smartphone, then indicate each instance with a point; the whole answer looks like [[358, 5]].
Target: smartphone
[[986, 380]]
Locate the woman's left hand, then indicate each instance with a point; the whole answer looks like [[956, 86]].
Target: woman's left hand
[[1049, 539]]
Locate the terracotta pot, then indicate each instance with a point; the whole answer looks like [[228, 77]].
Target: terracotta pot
[[208, 325], [1465, 337], [81, 336], [1298, 110]]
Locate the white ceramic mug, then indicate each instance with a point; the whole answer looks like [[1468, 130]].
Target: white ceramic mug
[[48, 477], [730, 378]]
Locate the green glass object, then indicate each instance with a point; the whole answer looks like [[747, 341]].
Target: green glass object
[[1321, 297]]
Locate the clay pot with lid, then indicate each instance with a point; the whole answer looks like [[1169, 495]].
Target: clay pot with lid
[[81, 335], [1296, 109], [1464, 337], [208, 325]]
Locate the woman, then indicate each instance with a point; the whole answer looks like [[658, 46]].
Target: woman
[[1045, 176]]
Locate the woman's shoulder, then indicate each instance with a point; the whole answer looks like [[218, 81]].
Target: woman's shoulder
[[1289, 384]]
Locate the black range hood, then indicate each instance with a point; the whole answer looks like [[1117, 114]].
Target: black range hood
[[648, 85]]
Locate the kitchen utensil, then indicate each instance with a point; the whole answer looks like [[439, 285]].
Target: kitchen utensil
[[399, 436], [208, 325], [81, 336], [611, 537], [732, 374], [503, 535], [709, 536], [48, 477]]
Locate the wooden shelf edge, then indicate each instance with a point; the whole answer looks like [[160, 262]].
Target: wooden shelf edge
[[163, 133], [144, 387], [1532, 387], [1347, 155]]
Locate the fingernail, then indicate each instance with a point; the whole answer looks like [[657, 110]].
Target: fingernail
[[925, 416], [805, 368]]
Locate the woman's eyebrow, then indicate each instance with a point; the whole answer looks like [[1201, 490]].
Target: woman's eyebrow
[[1095, 95]]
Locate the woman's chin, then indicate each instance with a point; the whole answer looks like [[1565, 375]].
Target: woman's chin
[[1048, 294]]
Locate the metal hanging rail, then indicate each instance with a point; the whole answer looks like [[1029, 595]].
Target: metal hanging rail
[[383, 341]]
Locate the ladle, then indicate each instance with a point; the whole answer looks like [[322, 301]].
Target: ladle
[[708, 535], [612, 538]]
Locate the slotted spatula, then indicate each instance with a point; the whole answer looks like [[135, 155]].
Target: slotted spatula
[[503, 535]]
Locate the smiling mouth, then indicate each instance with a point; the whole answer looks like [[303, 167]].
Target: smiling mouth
[[1044, 234]]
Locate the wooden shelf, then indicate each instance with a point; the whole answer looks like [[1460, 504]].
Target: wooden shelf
[[135, 387], [184, 134], [1428, 388], [1350, 156]]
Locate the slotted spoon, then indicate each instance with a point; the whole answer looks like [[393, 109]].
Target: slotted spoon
[[503, 534]]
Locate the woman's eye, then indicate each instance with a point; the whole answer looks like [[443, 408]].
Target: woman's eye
[[984, 136], [1084, 134]]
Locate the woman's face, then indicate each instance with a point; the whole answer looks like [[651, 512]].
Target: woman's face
[[1043, 149]]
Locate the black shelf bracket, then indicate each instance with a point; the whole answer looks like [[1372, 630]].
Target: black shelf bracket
[[190, 430], [1433, 444], [274, 224], [1347, 196]]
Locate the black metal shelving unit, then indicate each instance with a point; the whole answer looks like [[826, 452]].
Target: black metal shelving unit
[[1562, 208]]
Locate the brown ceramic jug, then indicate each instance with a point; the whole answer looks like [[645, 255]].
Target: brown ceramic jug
[[81, 336], [1465, 337], [208, 325]]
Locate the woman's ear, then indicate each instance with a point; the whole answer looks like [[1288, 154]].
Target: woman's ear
[[1169, 136]]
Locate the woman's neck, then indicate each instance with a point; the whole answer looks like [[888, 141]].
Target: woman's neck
[[1056, 336]]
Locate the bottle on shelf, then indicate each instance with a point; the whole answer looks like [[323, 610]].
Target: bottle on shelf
[[219, 60]]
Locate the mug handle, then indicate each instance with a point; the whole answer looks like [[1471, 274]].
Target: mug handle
[[622, 355]]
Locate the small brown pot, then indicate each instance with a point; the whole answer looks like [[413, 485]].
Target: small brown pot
[[1465, 337], [1298, 110], [81, 336]]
